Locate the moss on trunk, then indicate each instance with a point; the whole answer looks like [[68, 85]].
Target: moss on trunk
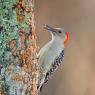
[[18, 61]]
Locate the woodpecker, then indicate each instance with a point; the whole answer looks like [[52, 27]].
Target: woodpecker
[[51, 55]]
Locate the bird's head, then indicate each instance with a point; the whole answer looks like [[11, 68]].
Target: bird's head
[[58, 33]]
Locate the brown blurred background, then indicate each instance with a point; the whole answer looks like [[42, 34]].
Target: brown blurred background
[[77, 75]]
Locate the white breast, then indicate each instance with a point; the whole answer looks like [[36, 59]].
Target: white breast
[[48, 53]]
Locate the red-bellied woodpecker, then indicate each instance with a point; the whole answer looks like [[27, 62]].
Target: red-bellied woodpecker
[[52, 54]]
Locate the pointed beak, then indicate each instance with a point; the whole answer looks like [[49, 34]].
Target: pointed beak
[[49, 28]]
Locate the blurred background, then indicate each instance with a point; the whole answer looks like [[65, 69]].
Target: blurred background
[[76, 76]]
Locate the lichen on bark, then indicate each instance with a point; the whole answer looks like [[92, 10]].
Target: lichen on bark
[[18, 59]]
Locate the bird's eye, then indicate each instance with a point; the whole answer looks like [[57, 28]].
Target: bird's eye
[[59, 31]]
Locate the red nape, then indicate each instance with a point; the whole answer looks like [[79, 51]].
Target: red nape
[[66, 40]]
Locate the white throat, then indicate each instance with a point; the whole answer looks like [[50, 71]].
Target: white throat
[[57, 39]]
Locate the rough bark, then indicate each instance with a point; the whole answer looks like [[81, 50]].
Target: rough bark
[[18, 60]]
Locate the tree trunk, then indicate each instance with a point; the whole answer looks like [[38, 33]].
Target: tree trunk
[[18, 59]]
